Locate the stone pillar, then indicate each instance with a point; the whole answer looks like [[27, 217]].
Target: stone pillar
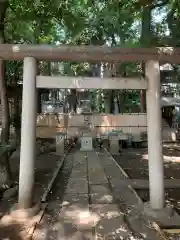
[[154, 122], [28, 134], [60, 143], [114, 144], [105, 141]]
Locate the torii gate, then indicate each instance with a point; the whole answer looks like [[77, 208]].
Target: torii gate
[[30, 54]]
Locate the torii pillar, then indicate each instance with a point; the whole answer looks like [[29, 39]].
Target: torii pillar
[[28, 134], [154, 123]]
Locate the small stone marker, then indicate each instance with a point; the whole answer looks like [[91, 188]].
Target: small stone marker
[[114, 144], [86, 144], [60, 143]]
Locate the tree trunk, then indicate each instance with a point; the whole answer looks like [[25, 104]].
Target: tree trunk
[[17, 116], [39, 106], [145, 42], [74, 102], [112, 106], [108, 99], [118, 103], [4, 106], [5, 173]]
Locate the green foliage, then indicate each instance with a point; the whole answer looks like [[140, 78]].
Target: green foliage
[[122, 23]]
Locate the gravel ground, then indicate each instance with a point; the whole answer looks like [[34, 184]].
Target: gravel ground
[[136, 166]]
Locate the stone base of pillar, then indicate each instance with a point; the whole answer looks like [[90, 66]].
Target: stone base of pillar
[[114, 145], [60, 144], [165, 218], [18, 213]]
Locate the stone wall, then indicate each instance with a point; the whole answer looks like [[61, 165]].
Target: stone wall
[[48, 125]]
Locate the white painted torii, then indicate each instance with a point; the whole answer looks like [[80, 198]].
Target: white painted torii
[[88, 53]]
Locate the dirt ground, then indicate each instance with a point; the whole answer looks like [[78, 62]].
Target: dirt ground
[[44, 167], [135, 164]]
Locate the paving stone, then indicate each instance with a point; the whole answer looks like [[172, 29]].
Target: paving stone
[[96, 172], [66, 230], [80, 161], [94, 164], [79, 158], [111, 224], [107, 210], [69, 199], [93, 160], [79, 217], [79, 172], [95, 178], [60, 223], [95, 169], [82, 167], [113, 171], [101, 194], [76, 235], [77, 180], [77, 186]]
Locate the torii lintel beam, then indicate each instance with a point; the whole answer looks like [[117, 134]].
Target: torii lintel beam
[[88, 53]]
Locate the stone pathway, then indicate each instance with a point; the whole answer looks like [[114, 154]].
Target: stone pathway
[[128, 200], [94, 204], [88, 210]]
